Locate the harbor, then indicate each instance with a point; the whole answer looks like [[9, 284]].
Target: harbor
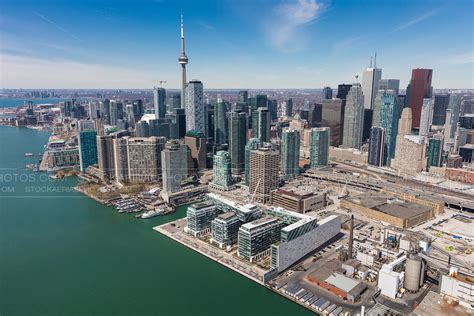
[[83, 256]]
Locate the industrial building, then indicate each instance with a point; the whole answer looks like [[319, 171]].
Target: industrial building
[[459, 287], [299, 199], [337, 283], [388, 209], [405, 272]]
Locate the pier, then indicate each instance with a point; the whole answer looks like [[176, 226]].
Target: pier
[[175, 231]]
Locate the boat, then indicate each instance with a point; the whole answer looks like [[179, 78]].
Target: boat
[[28, 154], [152, 213]]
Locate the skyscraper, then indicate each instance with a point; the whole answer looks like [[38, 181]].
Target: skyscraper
[[144, 158], [174, 101], [419, 89], [288, 108], [264, 167], [142, 129], [410, 152], [105, 156], [327, 93], [259, 101], [390, 110], [290, 152], [243, 96], [178, 123], [319, 148], [376, 146], [354, 118], [138, 107], [209, 115], [237, 122], [343, 90], [174, 166], [455, 107], [370, 83], [368, 116], [441, 104], [426, 117], [104, 109], [333, 117], [434, 151], [389, 84], [114, 115], [93, 110], [256, 102], [195, 111], [272, 108], [261, 124], [159, 97], [252, 144], [220, 123], [196, 141], [129, 115], [121, 159], [183, 61], [87, 148], [222, 176], [315, 114]]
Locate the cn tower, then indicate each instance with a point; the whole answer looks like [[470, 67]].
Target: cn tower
[[183, 60]]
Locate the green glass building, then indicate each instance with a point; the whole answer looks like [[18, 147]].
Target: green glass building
[[222, 176], [237, 123], [390, 111], [290, 152], [220, 123], [434, 152], [87, 149], [319, 147]]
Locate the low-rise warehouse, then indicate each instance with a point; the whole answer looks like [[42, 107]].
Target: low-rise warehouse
[[336, 282], [390, 210]]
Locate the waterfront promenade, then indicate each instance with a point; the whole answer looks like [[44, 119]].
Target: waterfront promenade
[[175, 231]]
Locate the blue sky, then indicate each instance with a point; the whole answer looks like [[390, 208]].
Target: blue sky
[[232, 43]]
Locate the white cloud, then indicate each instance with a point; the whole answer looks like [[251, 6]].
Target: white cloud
[[417, 20], [285, 28], [28, 72]]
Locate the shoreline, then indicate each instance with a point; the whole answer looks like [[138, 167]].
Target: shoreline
[[79, 189], [220, 260]]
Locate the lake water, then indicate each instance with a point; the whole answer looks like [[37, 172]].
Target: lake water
[[62, 253]]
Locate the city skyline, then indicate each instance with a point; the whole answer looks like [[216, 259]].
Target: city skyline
[[290, 44]]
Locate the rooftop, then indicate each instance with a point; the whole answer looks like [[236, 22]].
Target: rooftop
[[226, 215], [388, 204], [342, 282], [259, 222]]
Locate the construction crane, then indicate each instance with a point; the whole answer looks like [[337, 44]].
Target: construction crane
[[161, 83], [255, 191]]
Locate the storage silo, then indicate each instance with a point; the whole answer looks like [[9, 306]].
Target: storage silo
[[414, 273]]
